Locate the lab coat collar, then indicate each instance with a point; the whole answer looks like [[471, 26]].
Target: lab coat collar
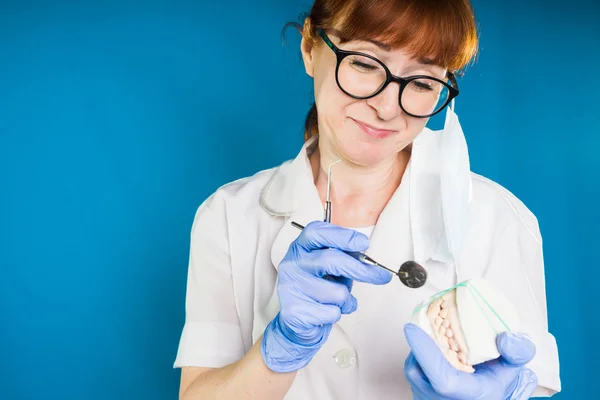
[[291, 193], [292, 184]]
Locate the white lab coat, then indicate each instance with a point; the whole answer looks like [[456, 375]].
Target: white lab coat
[[241, 233]]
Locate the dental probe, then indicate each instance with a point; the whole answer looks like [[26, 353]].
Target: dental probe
[[328, 200], [411, 274]]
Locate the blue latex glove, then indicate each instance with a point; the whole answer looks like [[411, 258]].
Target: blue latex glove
[[432, 377], [314, 283]]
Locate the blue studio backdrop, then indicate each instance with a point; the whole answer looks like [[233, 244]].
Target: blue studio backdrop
[[118, 118]]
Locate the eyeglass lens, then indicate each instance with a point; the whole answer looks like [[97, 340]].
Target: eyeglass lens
[[362, 77]]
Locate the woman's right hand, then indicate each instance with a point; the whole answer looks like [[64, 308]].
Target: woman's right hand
[[314, 283]]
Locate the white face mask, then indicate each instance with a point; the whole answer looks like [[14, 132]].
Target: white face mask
[[455, 176], [440, 187]]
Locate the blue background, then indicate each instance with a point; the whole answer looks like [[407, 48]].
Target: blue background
[[117, 118]]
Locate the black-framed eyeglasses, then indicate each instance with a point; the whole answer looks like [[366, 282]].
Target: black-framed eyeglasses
[[362, 76]]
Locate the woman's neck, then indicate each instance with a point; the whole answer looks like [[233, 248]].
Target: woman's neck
[[358, 194]]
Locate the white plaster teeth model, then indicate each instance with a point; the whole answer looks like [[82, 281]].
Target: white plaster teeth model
[[465, 320]]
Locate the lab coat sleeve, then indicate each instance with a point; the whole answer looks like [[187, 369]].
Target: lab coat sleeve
[[546, 364], [517, 265], [211, 334]]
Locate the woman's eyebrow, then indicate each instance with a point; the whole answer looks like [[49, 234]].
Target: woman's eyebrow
[[385, 47], [381, 45]]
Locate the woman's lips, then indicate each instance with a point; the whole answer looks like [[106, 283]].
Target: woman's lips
[[372, 131]]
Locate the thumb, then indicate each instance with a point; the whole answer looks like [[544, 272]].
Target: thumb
[[516, 348], [428, 356]]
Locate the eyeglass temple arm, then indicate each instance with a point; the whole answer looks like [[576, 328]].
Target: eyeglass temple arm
[[453, 80]]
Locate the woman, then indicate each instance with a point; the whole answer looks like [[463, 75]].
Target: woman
[[274, 312]]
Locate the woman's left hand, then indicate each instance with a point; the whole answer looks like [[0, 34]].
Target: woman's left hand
[[432, 377]]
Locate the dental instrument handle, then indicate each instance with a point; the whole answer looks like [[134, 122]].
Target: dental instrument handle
[[327, 217], [327, 212], [368, 260]]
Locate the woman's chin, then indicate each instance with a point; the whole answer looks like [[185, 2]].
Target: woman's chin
[[365, 156]]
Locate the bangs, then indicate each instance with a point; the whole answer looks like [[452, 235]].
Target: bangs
[[441, 32]]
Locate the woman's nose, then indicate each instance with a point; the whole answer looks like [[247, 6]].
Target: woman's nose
[[387, 103]]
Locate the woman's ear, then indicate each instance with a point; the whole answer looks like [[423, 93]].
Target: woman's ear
[[307, 48], [307, 56]]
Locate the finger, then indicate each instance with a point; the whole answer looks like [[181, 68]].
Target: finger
[[304, 313], [323, 291], [518, 383], [444, 379], [426, 353], [322, 314], [416, 379], [341, 279], [419, 383], [419, 394], [338, 263], [527, 384], [414, 374], [515, 348], [320, 235]]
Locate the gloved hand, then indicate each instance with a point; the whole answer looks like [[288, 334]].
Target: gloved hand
[[432, 377], [314, 283]]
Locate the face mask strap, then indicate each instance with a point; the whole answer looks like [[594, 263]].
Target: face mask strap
[[480, 299]]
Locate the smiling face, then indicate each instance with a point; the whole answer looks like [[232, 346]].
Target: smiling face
[[410, 37], [370, 131]]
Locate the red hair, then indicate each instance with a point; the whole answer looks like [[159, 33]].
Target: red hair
[[441, 31]]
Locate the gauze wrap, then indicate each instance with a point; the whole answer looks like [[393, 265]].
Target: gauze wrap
[[483, 314]]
